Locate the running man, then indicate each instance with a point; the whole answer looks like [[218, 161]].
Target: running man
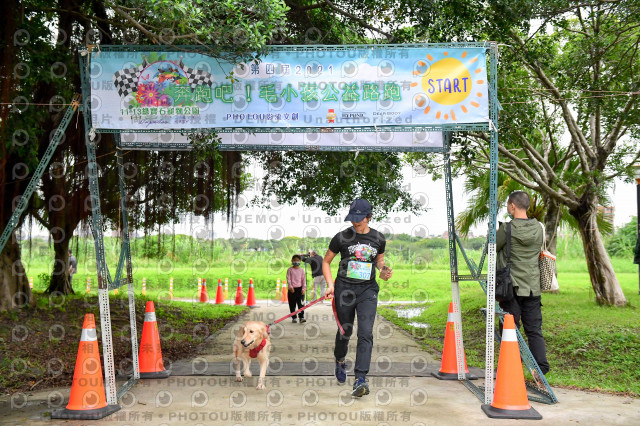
[[361, 251]]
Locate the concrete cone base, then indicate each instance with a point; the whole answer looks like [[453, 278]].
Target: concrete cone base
[[96, 414], [452, 376], [156, 375], [499, 413]]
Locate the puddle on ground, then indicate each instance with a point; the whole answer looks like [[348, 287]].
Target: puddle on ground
[[413, 312], [419, 324], [410, 312]]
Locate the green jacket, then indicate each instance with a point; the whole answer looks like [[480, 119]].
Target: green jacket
[[526, 243]]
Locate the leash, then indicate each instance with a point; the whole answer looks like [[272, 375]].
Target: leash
[[308, 305], [253, 353], [335, 315]]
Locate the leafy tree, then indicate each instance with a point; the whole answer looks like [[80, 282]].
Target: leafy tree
[[38, 72], [623, 242], [552, 215], [331, 180], [569, 88]]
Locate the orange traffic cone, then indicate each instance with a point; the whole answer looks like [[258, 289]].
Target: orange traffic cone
[[251, 297], [87, 400], [449, 364], [510, 397], [219, 293], [150, 354], [239, 295], [284, 298], [204, 296]]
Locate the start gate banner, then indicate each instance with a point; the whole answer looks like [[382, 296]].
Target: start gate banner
[[290, 87], [282, 141]]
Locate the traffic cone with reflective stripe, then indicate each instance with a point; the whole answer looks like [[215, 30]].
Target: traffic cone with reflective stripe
[[284, 298], [251, 296], [219, 293], [204, 296], [278, 292], [449, 364], [87, 400], [510, 399], [150, 354], [239, 295]]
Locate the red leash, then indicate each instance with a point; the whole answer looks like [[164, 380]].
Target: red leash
[[308, 305], [253, 353], [335, 315]]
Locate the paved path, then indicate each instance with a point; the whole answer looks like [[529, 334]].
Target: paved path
[[302, 391]]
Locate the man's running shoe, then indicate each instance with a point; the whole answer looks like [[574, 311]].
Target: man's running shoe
[[360, 387], [341, 372]]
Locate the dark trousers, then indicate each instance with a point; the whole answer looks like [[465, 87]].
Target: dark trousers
[[363, 301], [528, 308], [296, 298]]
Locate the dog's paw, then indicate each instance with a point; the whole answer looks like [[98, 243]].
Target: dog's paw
[[260, 386], [247, 373], [238, 378]]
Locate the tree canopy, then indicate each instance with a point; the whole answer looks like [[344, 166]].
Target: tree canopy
[[568, 87]]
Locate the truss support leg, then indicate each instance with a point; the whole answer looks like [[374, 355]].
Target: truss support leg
[[35, 179], [101, 264], [126, 246], [453, 262], [493, 212]]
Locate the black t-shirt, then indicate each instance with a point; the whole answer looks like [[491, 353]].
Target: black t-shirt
[[358, 255], [316, 265]]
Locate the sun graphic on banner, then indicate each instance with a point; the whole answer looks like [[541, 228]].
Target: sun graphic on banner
[[449, 83]]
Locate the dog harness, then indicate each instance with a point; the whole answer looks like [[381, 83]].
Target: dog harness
[[253, 353]]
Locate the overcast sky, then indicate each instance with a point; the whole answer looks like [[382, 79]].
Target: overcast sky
[[299, 221], [280, 221]]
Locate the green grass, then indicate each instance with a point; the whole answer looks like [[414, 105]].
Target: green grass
[[48, 335], [419, 264], [588, 346], [409, 282]]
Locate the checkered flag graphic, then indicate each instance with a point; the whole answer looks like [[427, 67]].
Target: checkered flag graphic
[[126, 81], [197, 77]]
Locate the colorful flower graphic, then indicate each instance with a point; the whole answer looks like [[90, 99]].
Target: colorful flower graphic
[[363, 252], [163, 83], [158, 82], [164, 101], [148, 94]]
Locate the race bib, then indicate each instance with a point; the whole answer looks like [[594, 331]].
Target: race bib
[[359, 270]]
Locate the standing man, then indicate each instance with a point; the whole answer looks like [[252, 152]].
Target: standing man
[[526, 242], [315, 262], [361, 251], [73, 266]]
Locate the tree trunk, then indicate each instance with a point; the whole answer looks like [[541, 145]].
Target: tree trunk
[[603, 278], [14, 285], [60, 277], [551, 221]]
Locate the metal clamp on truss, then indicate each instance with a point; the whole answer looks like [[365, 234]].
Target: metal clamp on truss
[[75, 102]]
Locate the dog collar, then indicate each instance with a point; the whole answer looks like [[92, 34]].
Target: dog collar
[[253, 353]]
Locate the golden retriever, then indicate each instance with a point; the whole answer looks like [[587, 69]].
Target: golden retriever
[[252, 341]]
